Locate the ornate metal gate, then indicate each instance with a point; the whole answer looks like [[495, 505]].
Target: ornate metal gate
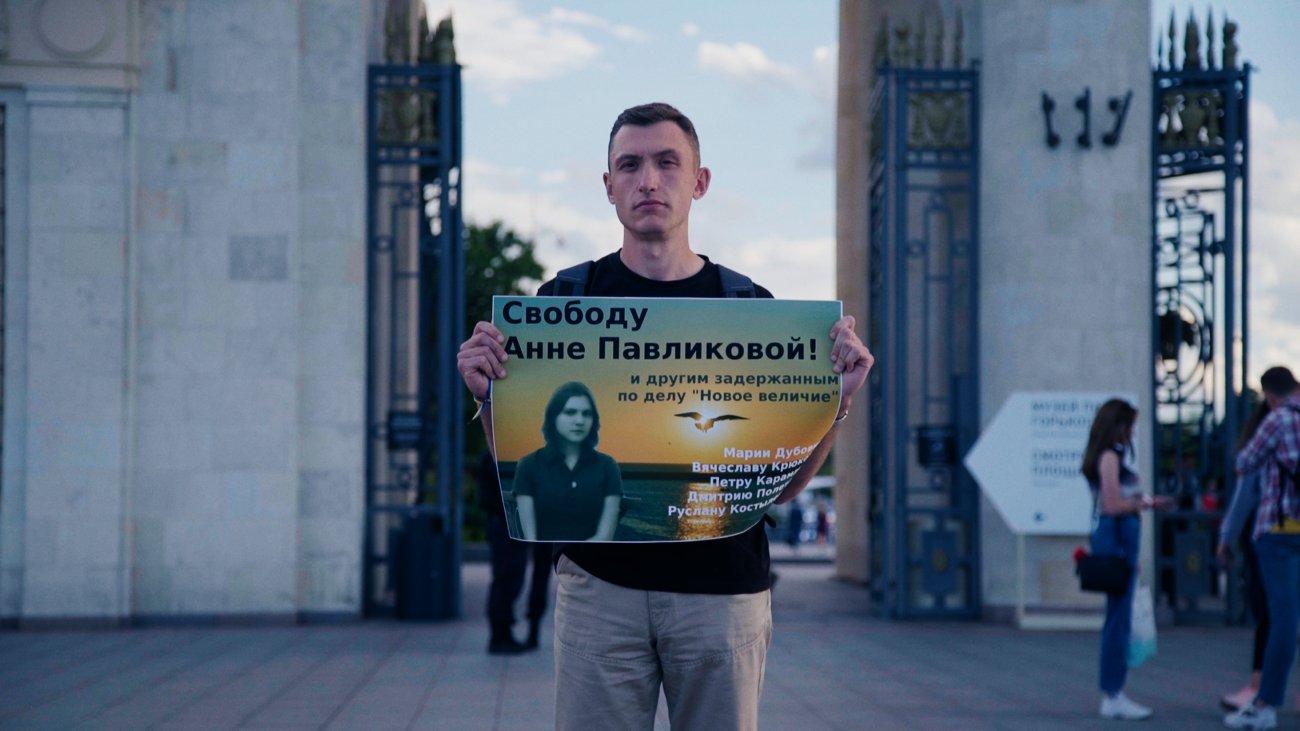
[[415, 257], [1200, 152], [923, 324]]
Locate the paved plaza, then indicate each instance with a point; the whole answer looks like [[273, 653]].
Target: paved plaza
[[831, 666]]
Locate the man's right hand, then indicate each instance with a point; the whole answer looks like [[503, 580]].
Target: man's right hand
[[481, 359]]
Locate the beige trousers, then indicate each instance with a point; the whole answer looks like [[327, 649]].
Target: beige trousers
[[615, 647]]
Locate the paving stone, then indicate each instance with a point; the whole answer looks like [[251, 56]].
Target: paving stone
[[833, 666]]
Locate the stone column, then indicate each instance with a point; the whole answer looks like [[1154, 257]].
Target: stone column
[[331, 374], [1065, 276], [65, 540], [76, 507], [855, 80]]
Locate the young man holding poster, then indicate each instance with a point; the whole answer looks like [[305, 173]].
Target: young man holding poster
[[694, 617]]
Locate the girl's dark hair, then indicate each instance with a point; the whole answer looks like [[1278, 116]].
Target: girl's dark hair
[[1252, 423], [556, 405], [1109, 427]]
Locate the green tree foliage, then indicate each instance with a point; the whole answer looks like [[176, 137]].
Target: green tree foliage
[[498, 261]]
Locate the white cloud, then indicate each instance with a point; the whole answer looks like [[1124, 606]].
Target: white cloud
[[627, 33], [825, 71], [553, 177], [502, 46], [576, 17], [690, 30], [819, 130], [564, 232], [756, 72], [793, 268], [747, 64]]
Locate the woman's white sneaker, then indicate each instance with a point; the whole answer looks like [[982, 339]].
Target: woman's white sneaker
[[1253, 717], [1123, 708]]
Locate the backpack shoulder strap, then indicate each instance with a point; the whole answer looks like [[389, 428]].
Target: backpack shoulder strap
[[735, 284], [572, 282]]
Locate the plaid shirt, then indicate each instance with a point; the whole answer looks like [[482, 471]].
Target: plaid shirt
[[1277, 440]]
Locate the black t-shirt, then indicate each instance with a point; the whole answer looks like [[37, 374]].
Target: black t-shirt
[[739, 564]]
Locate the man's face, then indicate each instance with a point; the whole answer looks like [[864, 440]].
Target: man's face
[[653, 178]]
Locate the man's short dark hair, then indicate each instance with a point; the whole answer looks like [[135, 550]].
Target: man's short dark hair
[[1278, 381], [645, 115]]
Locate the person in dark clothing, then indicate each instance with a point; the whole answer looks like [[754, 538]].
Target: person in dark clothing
[[509, 558], [794, 525], [1239, 520], [692, 619]]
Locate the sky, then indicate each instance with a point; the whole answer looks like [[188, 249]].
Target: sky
[[544, 80]]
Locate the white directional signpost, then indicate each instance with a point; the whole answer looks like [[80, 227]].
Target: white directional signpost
[[1027, 463]]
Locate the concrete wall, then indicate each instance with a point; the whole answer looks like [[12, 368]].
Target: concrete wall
[[65, 556], [252, 308], [13, 444], [1065, 238], [192, 352], [331, 269]]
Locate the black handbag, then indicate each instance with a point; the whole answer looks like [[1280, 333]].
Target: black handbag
[[1105, 574]]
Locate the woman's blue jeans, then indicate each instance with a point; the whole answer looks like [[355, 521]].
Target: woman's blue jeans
[[1117, 536], [1279, 562]]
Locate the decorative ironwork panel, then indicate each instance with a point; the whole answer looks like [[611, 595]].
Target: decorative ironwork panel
[[415, 258], [922, 324], [1200, 256]]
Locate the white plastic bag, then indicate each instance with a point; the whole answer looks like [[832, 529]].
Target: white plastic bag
[[1142, 637]]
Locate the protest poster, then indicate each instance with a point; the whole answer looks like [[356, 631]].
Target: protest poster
[[657, 419]]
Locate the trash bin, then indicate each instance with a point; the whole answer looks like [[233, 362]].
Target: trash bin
[[425, 572]]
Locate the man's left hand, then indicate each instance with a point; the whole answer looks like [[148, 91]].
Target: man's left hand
[[850, 356]]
